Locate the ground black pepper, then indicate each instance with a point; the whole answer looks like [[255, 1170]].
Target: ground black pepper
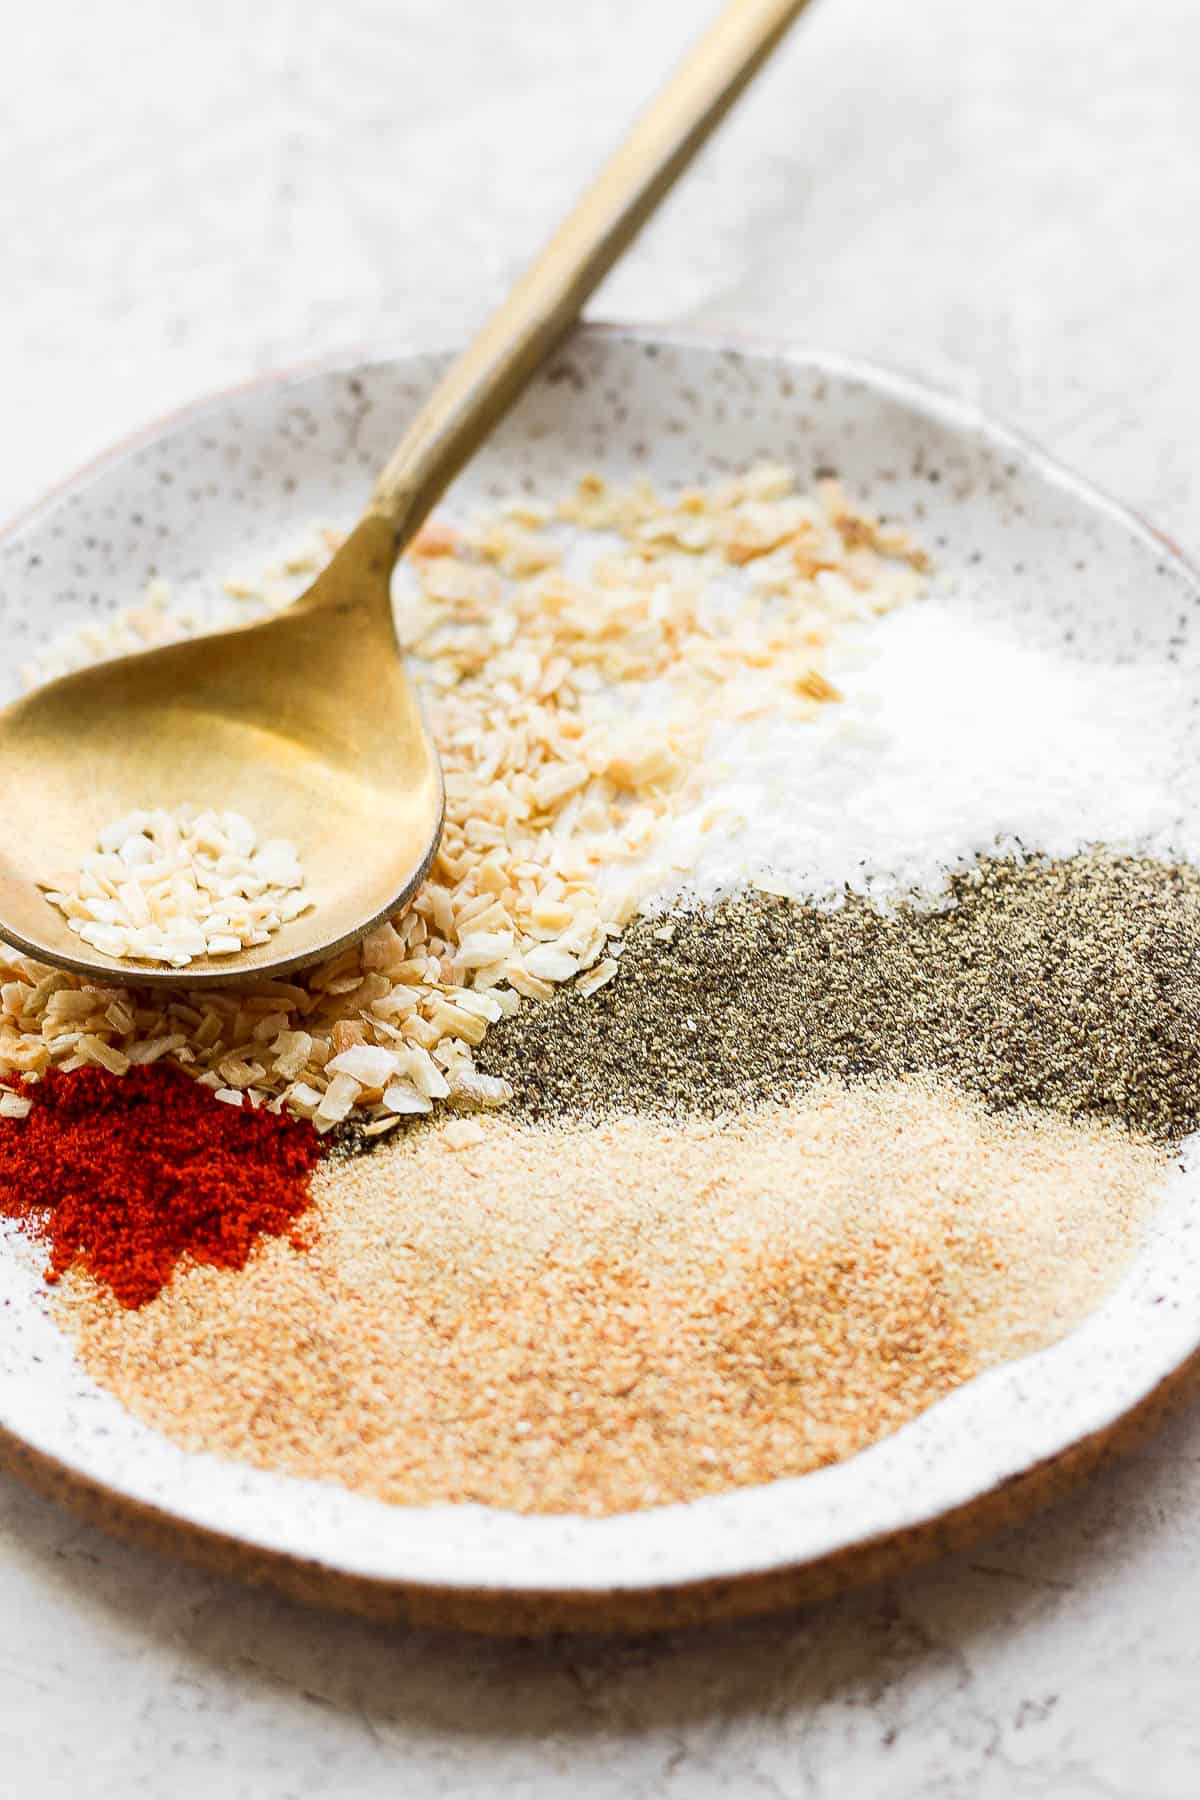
[[1072, 985]]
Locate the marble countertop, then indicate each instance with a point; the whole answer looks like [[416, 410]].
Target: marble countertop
[[1001, 199]]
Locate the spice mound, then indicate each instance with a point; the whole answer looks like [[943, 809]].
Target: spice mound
[[170, 886], [1071, 985], [573, 1318], [125, 1177]]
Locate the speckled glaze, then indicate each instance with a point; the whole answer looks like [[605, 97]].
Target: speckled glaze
[[229, 486]]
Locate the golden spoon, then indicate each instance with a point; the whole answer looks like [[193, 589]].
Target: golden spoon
[[308, 723]]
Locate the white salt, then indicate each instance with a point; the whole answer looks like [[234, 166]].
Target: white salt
[[956, 739]]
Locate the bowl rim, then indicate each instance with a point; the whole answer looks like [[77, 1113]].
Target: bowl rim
[[905, 386]]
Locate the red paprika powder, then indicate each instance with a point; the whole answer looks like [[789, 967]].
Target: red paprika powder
[[124, 1175]]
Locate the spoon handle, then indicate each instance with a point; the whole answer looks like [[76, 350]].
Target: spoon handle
[[484, 381]]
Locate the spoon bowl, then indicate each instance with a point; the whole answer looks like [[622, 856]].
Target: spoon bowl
[[307, 724]]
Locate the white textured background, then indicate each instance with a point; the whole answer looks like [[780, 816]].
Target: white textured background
[[1002, 198]]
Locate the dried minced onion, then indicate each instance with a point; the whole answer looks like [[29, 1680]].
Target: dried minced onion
[[167, 887]]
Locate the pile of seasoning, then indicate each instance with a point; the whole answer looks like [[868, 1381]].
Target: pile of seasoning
[[1070, 985], [125, 1177]]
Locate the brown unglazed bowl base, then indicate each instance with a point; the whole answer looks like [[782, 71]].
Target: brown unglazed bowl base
[[504, 1612]]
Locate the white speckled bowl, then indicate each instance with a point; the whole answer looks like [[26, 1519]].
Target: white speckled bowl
[[230, 485]]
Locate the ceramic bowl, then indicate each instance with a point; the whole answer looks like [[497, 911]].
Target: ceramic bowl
[[226, 488]]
